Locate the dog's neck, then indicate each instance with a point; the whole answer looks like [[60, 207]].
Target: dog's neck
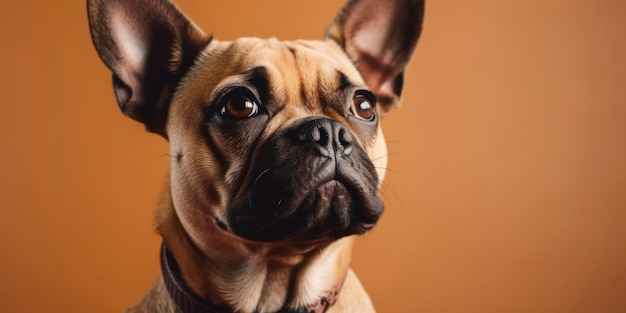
[[253, 277]]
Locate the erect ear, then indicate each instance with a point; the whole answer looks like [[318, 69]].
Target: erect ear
[[148, 45], [379, 36]]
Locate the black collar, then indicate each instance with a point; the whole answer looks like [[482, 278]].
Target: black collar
[[189, 302]]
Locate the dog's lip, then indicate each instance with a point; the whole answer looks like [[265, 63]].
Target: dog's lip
[[251, 228], [365, 227], [335, 183], [296, 199]]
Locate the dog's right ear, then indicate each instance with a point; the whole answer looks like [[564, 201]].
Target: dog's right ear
[[148, 45], [379, 36]]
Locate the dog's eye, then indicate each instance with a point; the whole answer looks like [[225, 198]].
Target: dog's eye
[[363, 108], [238, 106]]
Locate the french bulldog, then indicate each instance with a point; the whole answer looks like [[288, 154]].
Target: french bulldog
[[277, 152]]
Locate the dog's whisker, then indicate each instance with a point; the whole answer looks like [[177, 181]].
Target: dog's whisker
[[163, 155], [256, 180], [388, 170], [364, 238], [355, 217], [280, 201], [385, 156], [384, 195], [387, 187]]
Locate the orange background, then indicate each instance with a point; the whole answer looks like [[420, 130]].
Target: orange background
[[507, 182]]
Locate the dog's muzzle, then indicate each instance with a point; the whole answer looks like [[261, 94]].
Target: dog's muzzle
[[309, 181]]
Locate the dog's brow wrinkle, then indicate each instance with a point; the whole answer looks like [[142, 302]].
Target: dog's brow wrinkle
[[258, 77], [292, 50], [344, 81]]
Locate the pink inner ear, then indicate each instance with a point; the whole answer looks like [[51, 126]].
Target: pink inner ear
[[371, 35], [369, 30], [131, 44]]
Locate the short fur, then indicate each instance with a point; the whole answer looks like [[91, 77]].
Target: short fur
[[260, 210]]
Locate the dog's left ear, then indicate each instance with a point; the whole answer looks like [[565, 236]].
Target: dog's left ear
[[379, 36], [148, 45]]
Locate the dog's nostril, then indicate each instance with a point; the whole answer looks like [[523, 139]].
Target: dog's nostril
[[316, 134], [302, 135], [313, 133], [345, 138], [324, 135]]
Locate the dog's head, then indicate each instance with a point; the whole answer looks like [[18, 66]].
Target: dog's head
[[269, 141]]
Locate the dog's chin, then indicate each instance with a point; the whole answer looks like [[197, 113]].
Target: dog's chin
[[330, 211]]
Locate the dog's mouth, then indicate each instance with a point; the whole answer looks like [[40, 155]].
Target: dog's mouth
[[331, 209]]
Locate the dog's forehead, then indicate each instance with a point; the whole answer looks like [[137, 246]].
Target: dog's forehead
[[308, 57], [298, 73], [302, 63]]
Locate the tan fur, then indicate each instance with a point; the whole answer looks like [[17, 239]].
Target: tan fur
[[167, 74], [216, 265]]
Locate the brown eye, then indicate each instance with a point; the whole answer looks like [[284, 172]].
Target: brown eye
[[363, 108], [239, 106]]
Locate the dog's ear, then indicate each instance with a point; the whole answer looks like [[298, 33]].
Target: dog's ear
[[379, 36], [148, 45]]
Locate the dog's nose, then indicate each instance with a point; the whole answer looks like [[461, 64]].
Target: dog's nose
[[328, 136]]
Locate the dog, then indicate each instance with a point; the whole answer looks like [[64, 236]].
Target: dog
[[277, 153]]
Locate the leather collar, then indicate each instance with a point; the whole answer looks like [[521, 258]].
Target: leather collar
[[189, 302]]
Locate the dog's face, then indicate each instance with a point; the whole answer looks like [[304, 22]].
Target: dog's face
[[270, 141], [279, 142]]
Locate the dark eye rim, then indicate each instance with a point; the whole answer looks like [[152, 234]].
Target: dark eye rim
[[221, 102], [371, 98]]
